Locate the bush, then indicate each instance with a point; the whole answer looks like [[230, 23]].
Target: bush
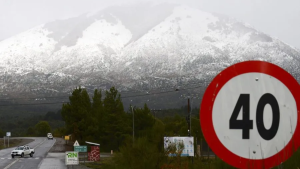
[[137, 155]]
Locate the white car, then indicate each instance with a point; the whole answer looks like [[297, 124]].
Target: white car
[[22, 151], [49, 136]]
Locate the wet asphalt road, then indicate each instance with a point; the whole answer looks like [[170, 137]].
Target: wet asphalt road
[[41, 145], [49, 154]]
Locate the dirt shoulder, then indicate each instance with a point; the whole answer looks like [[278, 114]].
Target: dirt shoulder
[[61, 146]]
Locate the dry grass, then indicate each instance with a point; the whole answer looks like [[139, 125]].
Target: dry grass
[[13, 142]]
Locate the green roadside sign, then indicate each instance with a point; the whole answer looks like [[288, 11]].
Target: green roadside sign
[[80, 148], [71, 158]]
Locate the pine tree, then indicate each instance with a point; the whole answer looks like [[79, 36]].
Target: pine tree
[[116, 125], [143, 121], [96, 118], [77, 113]]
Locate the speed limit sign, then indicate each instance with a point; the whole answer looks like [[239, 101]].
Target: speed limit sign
[[249, 115]]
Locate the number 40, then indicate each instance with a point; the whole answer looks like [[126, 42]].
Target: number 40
[[246, 124]]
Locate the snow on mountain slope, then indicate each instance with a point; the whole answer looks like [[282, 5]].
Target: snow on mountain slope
[[129, 46], [21, 51]]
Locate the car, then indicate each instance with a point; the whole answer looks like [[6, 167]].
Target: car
[[22, 151], [49, 136]]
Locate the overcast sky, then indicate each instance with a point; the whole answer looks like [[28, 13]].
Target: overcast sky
[[278, 18]]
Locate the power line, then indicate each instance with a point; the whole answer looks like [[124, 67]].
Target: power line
[[171, 91], [66, 96], [29, 98], [31, 104], [148, 94]]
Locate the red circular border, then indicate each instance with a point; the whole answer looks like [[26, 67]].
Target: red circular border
[[208, 100]]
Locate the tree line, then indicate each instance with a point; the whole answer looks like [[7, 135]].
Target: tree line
[[102, 119]]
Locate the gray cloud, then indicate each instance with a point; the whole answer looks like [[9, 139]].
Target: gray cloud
[[278, 18]]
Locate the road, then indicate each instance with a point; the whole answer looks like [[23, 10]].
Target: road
[[41, 145], [43, 158]]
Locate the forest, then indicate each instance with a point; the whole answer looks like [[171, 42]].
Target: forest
[[100, 118], [135, 135]]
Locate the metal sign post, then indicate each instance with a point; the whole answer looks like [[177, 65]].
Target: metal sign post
[[81, 149], [8, 134], [67, 138]]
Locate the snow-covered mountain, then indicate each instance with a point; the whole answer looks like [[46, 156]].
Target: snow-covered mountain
[[136, 47]]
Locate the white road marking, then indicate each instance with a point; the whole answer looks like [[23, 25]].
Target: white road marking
[[11, 164], [18, 159], [21, 158], [39, 144]]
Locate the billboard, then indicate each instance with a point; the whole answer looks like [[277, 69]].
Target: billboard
[[71, 158], [188, 143]]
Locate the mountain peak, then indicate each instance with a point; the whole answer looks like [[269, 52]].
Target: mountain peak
[[141, 46]]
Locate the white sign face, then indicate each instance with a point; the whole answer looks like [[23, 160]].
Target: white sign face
[[254, 115], [71, 158], [250, 114], [8, 134], [188, 143], [76, 143]]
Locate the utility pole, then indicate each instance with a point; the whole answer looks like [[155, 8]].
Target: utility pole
[[155, 111], [132, 124], [189, 114]]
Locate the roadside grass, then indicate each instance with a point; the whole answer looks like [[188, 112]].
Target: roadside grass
[[103, 163], [12, 143], [187, 163], [146, 155]]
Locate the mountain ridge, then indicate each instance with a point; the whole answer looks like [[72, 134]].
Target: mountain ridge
[[158, 47]]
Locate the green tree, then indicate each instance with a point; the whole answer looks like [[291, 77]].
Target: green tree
[[30, 131], [116, 123], [59, 132], [113, 102], [53, 116], [97, 105], [176, 126], [141, 154], [196, 129], [1, 133], [97, 117], [42, 128], [143, 121], [76, 113]]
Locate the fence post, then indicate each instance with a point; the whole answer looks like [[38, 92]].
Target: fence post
[[201, 147], [207, 151]]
